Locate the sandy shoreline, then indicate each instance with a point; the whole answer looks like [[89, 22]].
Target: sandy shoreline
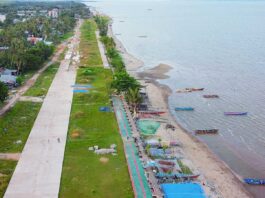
[[218, 179]]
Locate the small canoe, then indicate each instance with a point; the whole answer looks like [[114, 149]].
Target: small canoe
[[184, 109], [254, 181], [235, 113], [187, 90], [210, 96], [206, 131], [152, 112]]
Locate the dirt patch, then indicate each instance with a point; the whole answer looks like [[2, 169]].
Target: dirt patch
[[10, 156], [76, 133], [2, 175], [78, 114], [104, 160]]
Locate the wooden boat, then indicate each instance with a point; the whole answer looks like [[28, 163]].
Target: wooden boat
[[152, 112], [184, 109], [206, 131], [187, 90], [253, 181], [197, 89], [235, 113], [210, 96]]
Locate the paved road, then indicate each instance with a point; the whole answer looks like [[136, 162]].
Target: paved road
[[38, 172]]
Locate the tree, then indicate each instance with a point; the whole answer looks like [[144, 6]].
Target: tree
[[134, 98], [3, 92], [102, 22], [123, 82], [17, 53]]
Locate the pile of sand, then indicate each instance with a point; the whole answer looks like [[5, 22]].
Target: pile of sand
[[104, 160]]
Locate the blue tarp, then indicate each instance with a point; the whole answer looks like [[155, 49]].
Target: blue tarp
[[82, 86], [183, 190], [80, 91], [105, 109], [159, 152]]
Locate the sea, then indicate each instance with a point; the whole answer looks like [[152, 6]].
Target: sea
[[218, 45]]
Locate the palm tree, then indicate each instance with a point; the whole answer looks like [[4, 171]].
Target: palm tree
[[134, 98]]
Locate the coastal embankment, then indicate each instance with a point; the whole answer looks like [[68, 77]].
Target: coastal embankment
[[216, 177]]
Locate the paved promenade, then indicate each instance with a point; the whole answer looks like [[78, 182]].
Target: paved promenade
[[136, 171], [38, 172], [102, 51]]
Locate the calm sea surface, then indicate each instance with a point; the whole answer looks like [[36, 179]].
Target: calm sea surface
[[218, 45]]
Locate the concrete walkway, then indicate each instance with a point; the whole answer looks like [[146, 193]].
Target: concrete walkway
[[139, 181], [38, 172], [102, 51]]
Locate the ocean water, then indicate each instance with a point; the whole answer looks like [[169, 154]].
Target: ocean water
[[218, 45]]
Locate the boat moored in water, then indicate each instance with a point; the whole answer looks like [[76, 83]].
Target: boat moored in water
[[235, 113], [210, 96], [152, 112], [184, 109], [253, 181], [187, 90], [206, 131]]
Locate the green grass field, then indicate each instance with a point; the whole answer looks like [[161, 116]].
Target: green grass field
[[41, 87], [90, 54], [84, 174]]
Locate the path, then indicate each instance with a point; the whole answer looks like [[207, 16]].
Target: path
[[29, 83], [136, 171], [10, 156], [102, 51], [38, 172]]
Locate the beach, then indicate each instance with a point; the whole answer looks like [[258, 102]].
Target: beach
[[216, 177]]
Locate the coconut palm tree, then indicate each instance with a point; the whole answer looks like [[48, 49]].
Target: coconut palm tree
[[134, 98]]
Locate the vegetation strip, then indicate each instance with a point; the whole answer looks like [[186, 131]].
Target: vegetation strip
[[86, 174]]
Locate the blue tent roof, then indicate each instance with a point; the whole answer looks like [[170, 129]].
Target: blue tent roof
[[183, 190]]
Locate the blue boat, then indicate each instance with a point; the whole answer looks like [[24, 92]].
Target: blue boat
[[235, 113], [184, 109], [254, 181]]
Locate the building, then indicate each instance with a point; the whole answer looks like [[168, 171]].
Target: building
[[43, 13], [2, 17], [8, 76], [33, 40], [21, 13], [54, 13]]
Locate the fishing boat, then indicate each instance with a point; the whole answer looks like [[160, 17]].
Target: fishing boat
[[206, 131], [253, 181], [210, 96], [187, 90], [152, 112], [184, 109], [235, 113]]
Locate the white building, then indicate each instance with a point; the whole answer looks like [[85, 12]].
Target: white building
[[54, 13]]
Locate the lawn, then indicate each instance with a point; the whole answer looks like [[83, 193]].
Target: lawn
[[15, 127], [7, 168], [66, 36], [90, 55], [41, 86], [84, 174]]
